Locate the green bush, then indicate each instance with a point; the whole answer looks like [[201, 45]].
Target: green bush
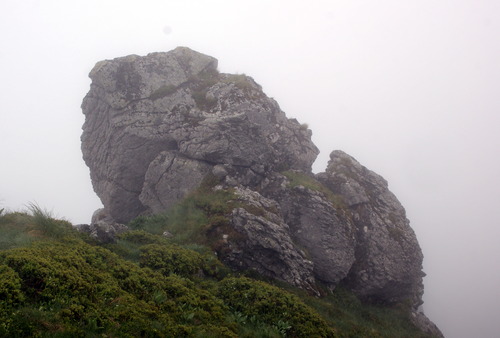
[[272, 306], [174, 259], [10, 286], [75, 288], [142, 237], [171, 259]]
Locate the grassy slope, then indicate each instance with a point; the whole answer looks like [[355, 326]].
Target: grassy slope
[[56, 282]]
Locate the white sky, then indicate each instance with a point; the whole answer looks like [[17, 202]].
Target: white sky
[[411, 89]]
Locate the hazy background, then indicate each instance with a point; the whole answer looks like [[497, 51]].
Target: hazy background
[[409, 88]]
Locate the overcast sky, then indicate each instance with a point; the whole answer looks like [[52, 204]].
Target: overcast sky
[[411, 89]]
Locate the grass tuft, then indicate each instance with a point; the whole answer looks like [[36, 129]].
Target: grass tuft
[[298, 178]]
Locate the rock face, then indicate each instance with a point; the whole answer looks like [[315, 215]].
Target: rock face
[[388, 264], [157, 126], [265, 244], [153, 121], [324, 231]]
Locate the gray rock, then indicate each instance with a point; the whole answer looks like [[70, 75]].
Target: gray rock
[[138, 108], [388, 266], [260, 240], [320, 227], [102, 227], [169, 178]]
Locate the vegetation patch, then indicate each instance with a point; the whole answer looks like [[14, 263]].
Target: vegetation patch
[[61, 284], [240, 80], [80, 289], [170, 259], [298, 178], [190, 220], [273, 306], [353, 318], [21, 228], [200, 84]]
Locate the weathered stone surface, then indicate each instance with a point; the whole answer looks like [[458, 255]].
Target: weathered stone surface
[[170, 177], [261, 241], [388, 266], [324, 231], [139, 107]]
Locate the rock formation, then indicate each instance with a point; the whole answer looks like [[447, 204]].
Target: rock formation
[[156, 126], [388, 264]]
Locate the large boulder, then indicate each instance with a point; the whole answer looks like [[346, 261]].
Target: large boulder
[[143, 113], [388, 265]]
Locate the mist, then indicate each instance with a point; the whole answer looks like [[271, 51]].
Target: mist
[[410, 89]]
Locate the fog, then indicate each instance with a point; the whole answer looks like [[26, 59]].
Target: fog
[[411, 89]]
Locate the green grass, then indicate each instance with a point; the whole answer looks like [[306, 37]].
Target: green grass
[[298, 178], [352, 318], [21, 228], [15, 229], [196, 215]]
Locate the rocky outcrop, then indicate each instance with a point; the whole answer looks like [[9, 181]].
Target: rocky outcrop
[[157, 126], [264, 243], [388, 266], [319, 227], [154, 120]]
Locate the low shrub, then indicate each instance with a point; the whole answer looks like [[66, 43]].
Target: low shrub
[[171, 259], [272, 306], [75, 288], [10, 286]]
